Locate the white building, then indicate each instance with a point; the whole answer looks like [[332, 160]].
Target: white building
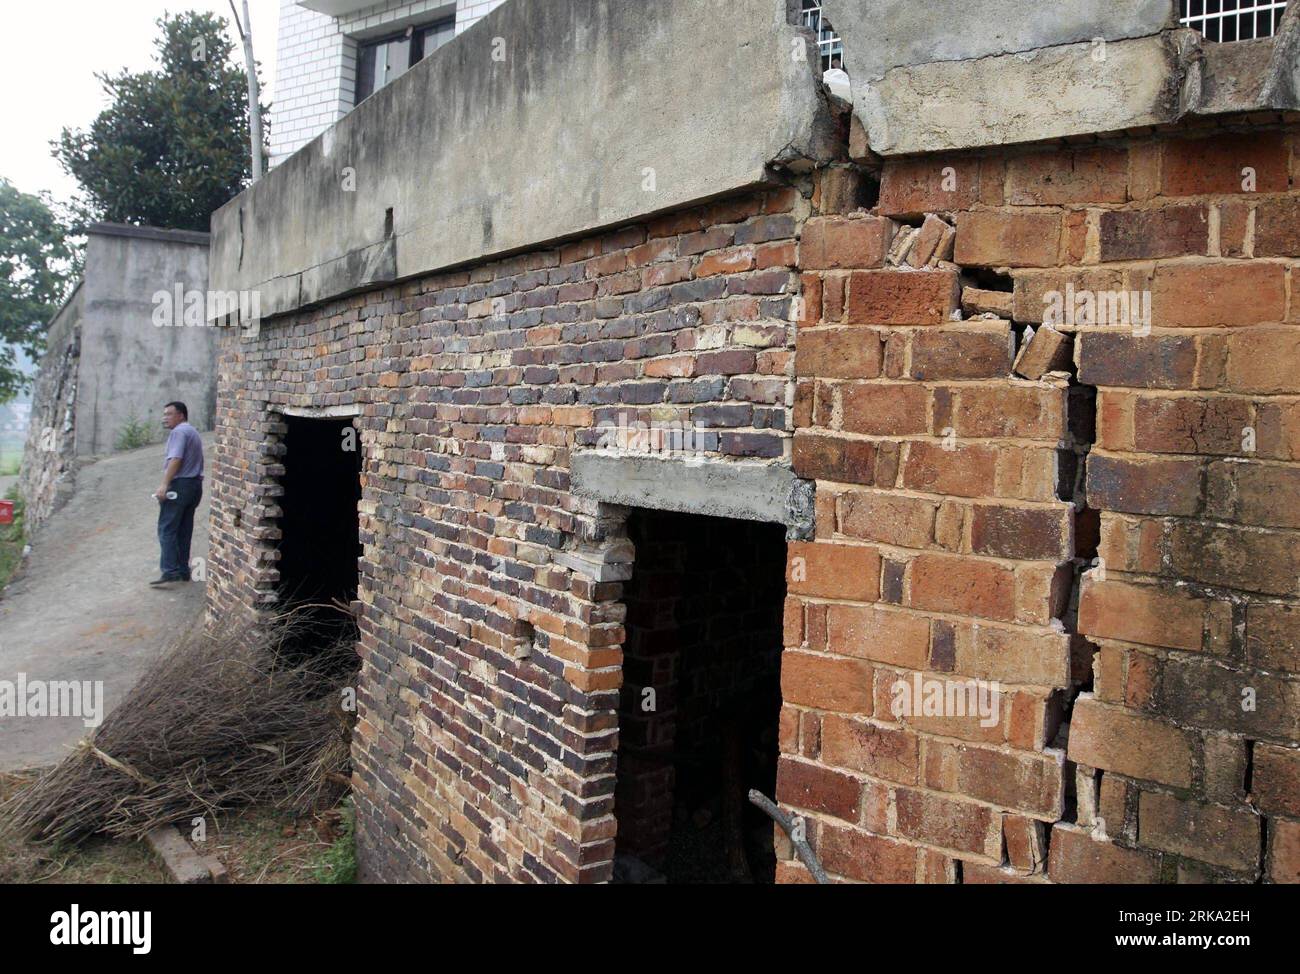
[[333, 53]]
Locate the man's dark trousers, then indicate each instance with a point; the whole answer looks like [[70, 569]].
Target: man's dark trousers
[[176, 526]]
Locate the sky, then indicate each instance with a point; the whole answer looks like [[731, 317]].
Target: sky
[[50, 52]]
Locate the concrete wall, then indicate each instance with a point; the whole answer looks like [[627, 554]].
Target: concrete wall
[[1017, 71], [129, 366], [589, 115], [316, 68]]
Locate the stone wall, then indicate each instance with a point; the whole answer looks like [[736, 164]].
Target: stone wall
[[1100, 522], [48, 472]]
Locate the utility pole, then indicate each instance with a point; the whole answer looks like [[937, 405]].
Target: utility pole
[[254, 89]]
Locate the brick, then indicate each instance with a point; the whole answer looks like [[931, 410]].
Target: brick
[[1140, 747], [838, 353], [1208, 833], [965, 471], [992, 239], [1194, 167], [1033, 784], [1276, 779], [866, 857], [913, 188], [881, 752], [726, 262], [950, 824], [1217, 294], [1249, 492], [1264, 361], [1035, 292], [1149, 362], [885, 410], [826, 682], [1191, 425], [878, 634], [966, 353], [1277, 227], [1044, 534], [1018, 655], [819, 457], [1143, 486], [902, 297], [926, 246], [1055, 178], [1200, 692], [1047, 351], [1075, 857], [888, 518], [1031, 412], [1273, 636], [964, 586], [1153, 615], [977, 301], [1026, 843], [1253, 559], [1147, 234], [1284, 851], [834, 571], [818, 789], [840, 243]]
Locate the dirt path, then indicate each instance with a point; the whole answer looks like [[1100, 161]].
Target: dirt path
[[81, 607]]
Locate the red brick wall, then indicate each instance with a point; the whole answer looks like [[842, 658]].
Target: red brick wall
[[473, 387], [953, 520]]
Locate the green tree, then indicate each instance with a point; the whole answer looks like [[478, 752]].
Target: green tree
[[36, 263], [173, 144]]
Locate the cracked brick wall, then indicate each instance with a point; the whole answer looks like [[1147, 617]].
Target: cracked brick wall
[[1098, 514]]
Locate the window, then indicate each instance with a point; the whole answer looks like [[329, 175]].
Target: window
[[1232, 20], [829, 45], [380, 61]]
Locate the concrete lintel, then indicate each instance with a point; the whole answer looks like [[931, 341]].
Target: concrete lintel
[[321, 412], [718, 488]]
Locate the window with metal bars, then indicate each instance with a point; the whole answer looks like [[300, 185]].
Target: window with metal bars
[[829, 46], [1232, 20]]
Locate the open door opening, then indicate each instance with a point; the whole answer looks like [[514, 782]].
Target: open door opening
[[701, 699], [320, 541]]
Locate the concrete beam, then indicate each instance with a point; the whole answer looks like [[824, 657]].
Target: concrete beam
[[716, 488], [548, 120], [1018, 71]]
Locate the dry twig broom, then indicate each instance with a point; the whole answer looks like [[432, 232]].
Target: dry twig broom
[[220, 720]]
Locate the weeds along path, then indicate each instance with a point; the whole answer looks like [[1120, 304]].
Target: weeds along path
[[81, 607]]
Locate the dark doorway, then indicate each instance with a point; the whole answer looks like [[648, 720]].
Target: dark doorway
[[701, 699], [320, 543]]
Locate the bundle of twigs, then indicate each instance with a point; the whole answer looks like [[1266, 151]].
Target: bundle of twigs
[[222, 719]]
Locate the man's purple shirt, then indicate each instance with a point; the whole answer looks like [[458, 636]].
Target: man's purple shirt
[[184, 444]]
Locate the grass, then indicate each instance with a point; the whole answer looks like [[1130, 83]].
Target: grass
[[97, 861], [9, 463], [11, 540], [256, 845]]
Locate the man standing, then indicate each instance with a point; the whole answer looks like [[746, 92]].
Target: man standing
[[183, 480]]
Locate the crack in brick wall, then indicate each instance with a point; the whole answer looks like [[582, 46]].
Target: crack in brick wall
[[951, 541]]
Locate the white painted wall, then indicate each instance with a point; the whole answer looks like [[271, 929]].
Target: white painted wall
[[316, 69]]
